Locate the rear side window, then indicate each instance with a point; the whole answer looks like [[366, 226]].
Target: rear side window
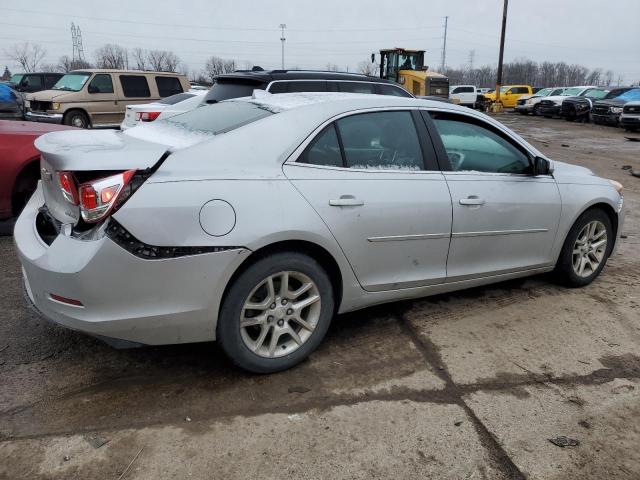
[[168, 86], [307, 86], [393, 90], [356, 87], [101, 83], [135, 86], [377, 141]]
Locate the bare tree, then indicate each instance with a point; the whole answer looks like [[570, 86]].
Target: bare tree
[[367, 68], [66, 64], [139, 56], [27, 55], [7, 73], [216, 66], [112, 56]]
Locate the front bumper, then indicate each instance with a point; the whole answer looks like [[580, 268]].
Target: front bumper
[[549, 110], [43, 117], [628, 120], [524, 108], [608, 118], [123, 297]]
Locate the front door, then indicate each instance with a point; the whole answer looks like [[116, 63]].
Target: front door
[[374, 184], [504, 218]]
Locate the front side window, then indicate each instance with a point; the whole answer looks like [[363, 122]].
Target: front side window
[[101, 83], [473, 147], [72, 82], [168, 86], [135, 86]]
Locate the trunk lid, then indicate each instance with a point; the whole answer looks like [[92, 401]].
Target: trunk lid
[[88, 151]]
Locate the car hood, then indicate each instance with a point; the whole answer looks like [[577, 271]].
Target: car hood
[[568, 173], [50, 95], [555, 98], [613, 102]]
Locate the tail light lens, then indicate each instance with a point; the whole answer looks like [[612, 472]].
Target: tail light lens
[[68, 187], [99, 197], [147, 116]]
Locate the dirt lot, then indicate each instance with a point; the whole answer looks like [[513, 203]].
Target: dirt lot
[[465, 385]]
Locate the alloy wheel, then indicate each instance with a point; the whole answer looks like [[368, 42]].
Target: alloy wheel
[[589, 249], [280, 314]]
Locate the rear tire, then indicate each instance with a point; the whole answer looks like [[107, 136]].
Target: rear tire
[[247, 334], [77, 118], [583, 254]]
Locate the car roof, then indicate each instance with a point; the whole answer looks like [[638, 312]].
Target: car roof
[[272, 75], [112, 70]]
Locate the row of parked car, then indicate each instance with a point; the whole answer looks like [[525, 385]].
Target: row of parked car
[[618, 106]]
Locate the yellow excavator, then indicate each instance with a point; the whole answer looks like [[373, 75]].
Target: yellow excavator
[[407, 68]]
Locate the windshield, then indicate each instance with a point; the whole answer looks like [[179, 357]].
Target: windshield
[[544, 92], [596, 93], [572, 92], [173, 99], [72, 82], [15, 78], [219, 118], [236, 88], [629, 95], [504, 89]]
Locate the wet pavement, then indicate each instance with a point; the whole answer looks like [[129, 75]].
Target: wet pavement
[[472, 384]]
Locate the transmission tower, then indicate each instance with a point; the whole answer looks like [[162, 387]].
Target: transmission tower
[[76, 38]]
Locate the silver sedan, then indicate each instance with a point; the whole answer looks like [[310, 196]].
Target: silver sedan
[[255, 221]]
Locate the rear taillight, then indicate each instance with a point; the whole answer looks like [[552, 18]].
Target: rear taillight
[[99, 197], [147, 116], [68, 187]]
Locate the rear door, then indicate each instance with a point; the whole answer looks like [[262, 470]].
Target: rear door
[[375, 183], [505, 219]]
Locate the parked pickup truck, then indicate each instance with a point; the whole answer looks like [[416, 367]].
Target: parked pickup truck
[[466, 95], [509, 95], [608, 110], [630, 118]]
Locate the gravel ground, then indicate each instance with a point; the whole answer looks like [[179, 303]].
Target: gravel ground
[[471, 384]]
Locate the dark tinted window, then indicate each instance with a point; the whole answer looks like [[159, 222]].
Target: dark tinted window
[[381, 140], [173, 99], [474, 147], [50, 81], [278, 87], [386, 89], [324, 149], [134, 86], [32, 82], [227, 89], [307, 86], [101, 83], [168, 86], [356, 87]]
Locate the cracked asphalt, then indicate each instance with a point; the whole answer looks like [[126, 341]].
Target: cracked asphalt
[[472, 384]]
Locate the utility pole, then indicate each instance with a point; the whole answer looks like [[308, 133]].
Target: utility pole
[[76, 39], [444, 46], [498, 106], [282, 39]]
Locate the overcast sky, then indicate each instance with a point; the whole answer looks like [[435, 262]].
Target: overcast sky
[[593, 33]]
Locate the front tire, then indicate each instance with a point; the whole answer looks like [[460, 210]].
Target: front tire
[[276, 313], [586, 249], [77, 118]]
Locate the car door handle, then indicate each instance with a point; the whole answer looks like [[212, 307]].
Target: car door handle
[[472, 200], [346, 201]]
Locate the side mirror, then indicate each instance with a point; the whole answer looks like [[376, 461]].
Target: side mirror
[[93, 89], [542, 166]]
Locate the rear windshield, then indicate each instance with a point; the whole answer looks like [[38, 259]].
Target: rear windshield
[[226, 90], [72, 82], [220, 118], [173, 99]]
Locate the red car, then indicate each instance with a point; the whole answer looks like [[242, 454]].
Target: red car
[[19, 166]]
